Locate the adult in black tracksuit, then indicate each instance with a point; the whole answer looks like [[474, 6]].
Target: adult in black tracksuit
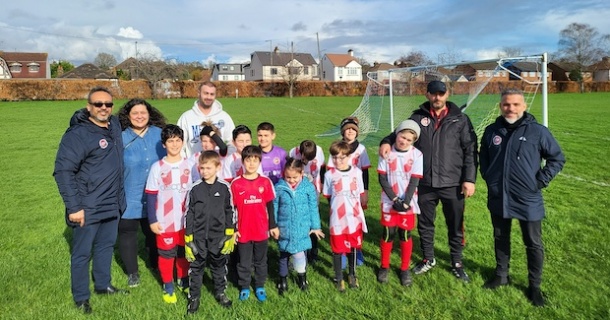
[[449, 145], [209, 222], [511, 154], [89, 175]]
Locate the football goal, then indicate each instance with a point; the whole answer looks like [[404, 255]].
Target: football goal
[[392, 95]]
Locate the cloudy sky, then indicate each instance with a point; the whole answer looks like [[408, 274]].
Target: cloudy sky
[[230, 30]]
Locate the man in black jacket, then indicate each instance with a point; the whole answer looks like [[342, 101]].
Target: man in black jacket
[[449, 145], [89, 175]]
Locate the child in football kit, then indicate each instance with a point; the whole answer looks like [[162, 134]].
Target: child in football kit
[[253, 196], [297, 216], [210, 140], [312, 157], [209, 230], [359, 158], [168, 183], [343, 186], [232, 166], [273, 157], [399, 175]]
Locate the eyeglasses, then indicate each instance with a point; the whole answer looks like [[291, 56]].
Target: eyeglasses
[[339, 157], [100, 104]]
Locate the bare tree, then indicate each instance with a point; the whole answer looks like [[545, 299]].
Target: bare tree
[[450, 55], [413, 58], [508, 52], [104, 61], [582, 44]]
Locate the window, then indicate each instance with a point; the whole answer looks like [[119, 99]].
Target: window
[[232, 68], [15, 67], [225, 68], [236, 78], [225, 78], [273, 71], [340, 71], [294, 70], [33, 67], [252, 73], [352, 71], [306, 70]]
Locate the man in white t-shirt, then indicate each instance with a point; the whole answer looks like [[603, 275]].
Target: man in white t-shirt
[[205, 108]]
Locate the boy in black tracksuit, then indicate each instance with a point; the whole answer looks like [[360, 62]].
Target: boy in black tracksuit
[[210, 224]]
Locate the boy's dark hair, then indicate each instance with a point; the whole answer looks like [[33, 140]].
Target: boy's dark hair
[[265, 126], [294, 164], [241, 129], [308, 150], [155, 117], [209, 156], [171, 131], [97, 89], [340, 147], [252, 151]]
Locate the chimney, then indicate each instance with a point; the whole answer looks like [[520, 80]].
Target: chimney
[[276, 50], [350, 52]]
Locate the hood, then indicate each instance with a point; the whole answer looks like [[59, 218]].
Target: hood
[[216, 109], [79, 116]]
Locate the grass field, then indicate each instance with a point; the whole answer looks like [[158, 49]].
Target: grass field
[[34, 242]]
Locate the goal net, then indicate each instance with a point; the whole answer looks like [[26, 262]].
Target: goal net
[[391, 96]]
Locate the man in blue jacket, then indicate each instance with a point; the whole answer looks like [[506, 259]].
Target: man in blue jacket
[[89, 175], [512, 150]]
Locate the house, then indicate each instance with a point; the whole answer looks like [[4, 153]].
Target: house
[[341, 67], [24, 65], [280, 66], [486, 70], [380, 71], [228, 72], [87, 71], [561, 71], [527, 70], [601, 70]]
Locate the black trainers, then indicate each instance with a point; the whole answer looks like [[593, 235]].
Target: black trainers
[[133, 280], [192, 306], [458, 272], [382, 275], [84, 306], [223, 300], [405, 278], [535, 296], [496, 282], [424, 266], [282, 286], [353, 281]]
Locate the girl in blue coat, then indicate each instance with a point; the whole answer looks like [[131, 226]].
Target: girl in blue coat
[[297, 216]]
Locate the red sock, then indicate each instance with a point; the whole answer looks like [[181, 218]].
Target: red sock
[[386, 251], [182, 268], [405, 254], [166, 269]]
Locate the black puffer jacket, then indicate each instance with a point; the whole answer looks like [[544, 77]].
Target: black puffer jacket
[[450, 151]]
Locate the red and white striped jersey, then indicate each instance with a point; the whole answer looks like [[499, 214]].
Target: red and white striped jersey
[[344, 189], [400, 166]]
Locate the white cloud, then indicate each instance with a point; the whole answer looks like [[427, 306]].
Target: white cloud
[[130, 33]]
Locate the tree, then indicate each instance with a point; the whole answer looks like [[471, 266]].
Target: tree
[[582, 44], [366, 66], [413, 58], [104, 61], [450, 55], [508, 52], [56, 71]]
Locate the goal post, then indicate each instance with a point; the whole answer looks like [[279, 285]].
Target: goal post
[[392, 95]]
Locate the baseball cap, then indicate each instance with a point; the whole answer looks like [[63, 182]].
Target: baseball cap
[[408, 124], [436, 86]]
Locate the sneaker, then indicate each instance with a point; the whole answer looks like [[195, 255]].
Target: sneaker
[[535, 296], [382, 275], [223, 300], [244, 294], [496, 282], [192, 306], [169, 296], [261, 294], [84, 306], [458, 272], [341, 286], [353, 281], [405, 278], [424, 266], [183, 285], [133, 280]]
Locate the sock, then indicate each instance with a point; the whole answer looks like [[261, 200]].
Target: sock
[[386, 251], [351, 262], [405, 254], [168, 287], [337, 266], [182, 268], [166, 269]]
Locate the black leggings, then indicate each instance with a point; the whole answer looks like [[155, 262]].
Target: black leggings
[[128, 244]]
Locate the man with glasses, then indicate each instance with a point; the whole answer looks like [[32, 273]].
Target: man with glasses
[[89, 175]]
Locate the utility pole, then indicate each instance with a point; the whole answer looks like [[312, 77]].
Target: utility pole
[[319, 58], [137, 61]]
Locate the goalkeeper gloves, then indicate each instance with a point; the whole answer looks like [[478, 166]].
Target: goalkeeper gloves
[[400, 205], [205, 131], [190, 249], [228, 244]]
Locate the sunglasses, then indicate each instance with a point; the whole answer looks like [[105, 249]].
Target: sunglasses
[[100, 104]]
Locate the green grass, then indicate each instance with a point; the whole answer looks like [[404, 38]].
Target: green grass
[[34, 243]]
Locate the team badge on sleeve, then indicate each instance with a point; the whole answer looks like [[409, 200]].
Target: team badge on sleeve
[[497, 140], [425, 121], [103, 143]]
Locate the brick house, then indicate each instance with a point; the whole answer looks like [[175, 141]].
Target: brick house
[[24, 65]]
